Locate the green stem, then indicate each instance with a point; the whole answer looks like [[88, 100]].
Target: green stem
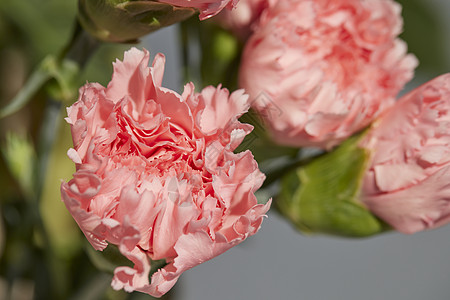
[[279, 172], [48, 132], [189, 36], [79, 49], [95, 288], [184, 38]]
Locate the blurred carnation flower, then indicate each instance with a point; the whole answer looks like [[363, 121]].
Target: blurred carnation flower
[[408, 182], [244, 17], [156, 173], [328, 67]]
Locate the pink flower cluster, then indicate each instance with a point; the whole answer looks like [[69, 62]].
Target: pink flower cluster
[[156, 174], [318, 71], [330, 66], [408, 180], [208, 8]]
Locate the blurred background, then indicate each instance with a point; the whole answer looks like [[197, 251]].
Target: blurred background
[[277, 263]]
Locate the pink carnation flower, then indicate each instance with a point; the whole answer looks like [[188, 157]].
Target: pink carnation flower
[[208, 8], [408, 182], [320, 70], [156, 173]]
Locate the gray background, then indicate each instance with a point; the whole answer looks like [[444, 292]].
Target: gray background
[[279, 263]]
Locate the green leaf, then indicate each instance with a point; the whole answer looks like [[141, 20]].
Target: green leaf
[[65, 87], [323, 196], [20, 157], [40, 27], [39, 77]]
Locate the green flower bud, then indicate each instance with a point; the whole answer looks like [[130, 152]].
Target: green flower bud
[[323, 196], [126, 21]]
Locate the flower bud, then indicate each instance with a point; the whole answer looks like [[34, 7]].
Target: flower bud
[[407, 183], [126, 21]]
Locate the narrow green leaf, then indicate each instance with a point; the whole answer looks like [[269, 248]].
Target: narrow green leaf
[[37, 79], [20, 157], [65, 74]]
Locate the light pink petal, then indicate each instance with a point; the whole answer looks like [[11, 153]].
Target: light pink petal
[[171, 221], [192, 249], [141, 209], [208, 8], [221, 109], [407, 184], [74, 156], [130, 279], [422, 206], [129, 75], [395, 176], [76, 195]]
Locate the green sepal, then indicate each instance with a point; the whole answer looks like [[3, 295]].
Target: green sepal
[[323, 196], [127, 21]]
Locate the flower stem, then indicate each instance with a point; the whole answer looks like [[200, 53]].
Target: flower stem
[[279, 172], [190, 54], [80, 49]]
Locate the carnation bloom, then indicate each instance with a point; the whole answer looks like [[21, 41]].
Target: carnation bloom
[[408, 181], [321, 70], [156, 174], [208, 8]]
